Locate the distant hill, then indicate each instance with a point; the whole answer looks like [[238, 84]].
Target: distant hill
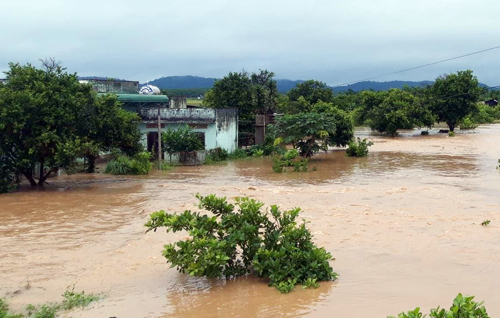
[[284, 85], [183, 82], [380, 86]]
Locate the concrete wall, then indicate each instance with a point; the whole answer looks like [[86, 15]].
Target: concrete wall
[[178, 101], [227, 129]]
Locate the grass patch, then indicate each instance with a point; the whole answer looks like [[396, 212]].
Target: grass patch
[[194, 101], [71, 299]]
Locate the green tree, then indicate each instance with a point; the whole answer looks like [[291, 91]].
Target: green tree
[[398, 110], [312, 132], [455, 96], [184, 139], [47, 118], [250, 94], [110, 127], [312, 91]]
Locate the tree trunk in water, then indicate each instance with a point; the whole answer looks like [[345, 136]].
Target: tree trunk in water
[[452, 126], [91, 167], [29, 177], [41, 178]]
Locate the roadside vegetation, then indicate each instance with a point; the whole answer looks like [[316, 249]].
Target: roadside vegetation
[[462, 307], [71, 300], [242, 238]]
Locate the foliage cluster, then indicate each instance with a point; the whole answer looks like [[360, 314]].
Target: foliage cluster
[[48, 117], [462, 307], [485, 223], [183, 139], [124, 165], [71, 299], [251, 94], [236, 239], [290, 159], [315, 131], [358, 148]]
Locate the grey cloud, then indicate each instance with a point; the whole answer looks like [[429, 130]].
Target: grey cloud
[[334, 41]]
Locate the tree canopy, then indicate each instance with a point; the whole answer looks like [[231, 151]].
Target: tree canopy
[[455, 96], [395, 109], [312, 91], [251, 94], [48, 117], [315, 131]]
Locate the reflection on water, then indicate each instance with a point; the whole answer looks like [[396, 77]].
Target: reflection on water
[[402, 224]]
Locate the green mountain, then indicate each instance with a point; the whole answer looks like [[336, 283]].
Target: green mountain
[[284, 85]]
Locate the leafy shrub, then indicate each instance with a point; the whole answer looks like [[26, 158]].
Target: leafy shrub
[[71, 300], [468, 123], [358, 148], [164, 166], [498, 167], [258, 153], [485, 222], [237, 154], [43, 311], [124, 165], [462, 307], [425, 133], [4, 310], [451, 134], [184, 139], [242, 238], [290, 159], [216, 155], [74, 299]]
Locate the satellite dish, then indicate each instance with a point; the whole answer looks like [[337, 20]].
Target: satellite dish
[[150, 90]]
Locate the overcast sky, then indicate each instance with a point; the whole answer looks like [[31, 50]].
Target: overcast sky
[[335, 41]]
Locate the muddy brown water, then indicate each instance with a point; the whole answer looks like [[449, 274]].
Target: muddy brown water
[[403, 225]]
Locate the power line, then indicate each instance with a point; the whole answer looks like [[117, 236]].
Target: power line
[[422, 66]]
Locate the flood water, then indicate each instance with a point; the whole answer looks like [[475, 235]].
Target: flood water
[[403, 225]]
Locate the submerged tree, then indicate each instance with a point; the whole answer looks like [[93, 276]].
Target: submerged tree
[[315, 131], [455, 96]]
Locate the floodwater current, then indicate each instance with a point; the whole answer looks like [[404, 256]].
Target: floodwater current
[[403, 225]]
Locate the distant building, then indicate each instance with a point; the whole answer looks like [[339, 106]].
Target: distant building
[[111, 85], [491, 102], [216, 127]]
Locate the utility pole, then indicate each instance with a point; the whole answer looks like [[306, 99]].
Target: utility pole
[[159, 140]]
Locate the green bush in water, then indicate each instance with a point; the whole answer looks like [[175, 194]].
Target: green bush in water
[[468, 123], [124, 165], [216, 155], [238, 154], [462, 307], [236, 239], [358, 148], [290, 159]]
